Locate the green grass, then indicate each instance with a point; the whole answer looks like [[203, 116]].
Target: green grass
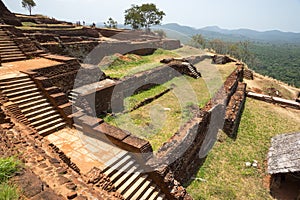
[[8, 167], [8, 192], [28, 24], [132, 101], [159, 120], [225, 172], [134, 64]]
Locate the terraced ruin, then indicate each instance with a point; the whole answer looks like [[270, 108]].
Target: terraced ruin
[[111, 114]]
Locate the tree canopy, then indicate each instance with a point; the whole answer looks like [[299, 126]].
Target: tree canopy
[[28, 4], [111, 23], [198, 41], [143, 16]]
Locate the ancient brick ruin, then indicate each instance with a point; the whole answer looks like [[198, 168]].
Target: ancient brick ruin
[[44, 97]]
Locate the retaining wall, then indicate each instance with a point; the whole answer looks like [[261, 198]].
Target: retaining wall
[[234, 111], [110, 98], [192, 142]]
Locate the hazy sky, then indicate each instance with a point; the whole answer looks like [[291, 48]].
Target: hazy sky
[[232, 14]]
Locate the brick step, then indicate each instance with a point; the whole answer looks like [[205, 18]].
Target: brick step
[[38, 112], [129, 192], [13, 59], [142, 190], [6, 44], [3, 47], [16, 88], [42, 115], [35, 108], [28, 100], [14, 80], [33, 103], [45, 120], [72, 98], [13, 55], [112, 169], [6, 41], [148, 192], [52, 129], [14, 99], [49, 124], [115, 160], [19, 93], [4, 38], [120, 171], [154, 195], [72, 93], [130, 181], [14, 84], [124, 177], [161, 197], [8, 50]]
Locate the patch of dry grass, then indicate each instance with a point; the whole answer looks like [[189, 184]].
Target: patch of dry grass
[[121, 68]]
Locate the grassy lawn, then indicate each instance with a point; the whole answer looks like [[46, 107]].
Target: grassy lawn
[[160, 119], [8, 167], [225, 173], [132, 64]]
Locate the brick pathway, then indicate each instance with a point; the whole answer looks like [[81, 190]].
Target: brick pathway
[[86, 152]]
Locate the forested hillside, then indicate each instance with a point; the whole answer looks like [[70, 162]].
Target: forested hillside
[[271, 53], [281, 62]]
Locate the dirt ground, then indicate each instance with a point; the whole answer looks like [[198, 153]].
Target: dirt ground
[[262, 83]]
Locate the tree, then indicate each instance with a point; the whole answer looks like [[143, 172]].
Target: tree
[[28, 4], [143, 16], [111, 23], [160, 33], [198, 41], [218, 45]]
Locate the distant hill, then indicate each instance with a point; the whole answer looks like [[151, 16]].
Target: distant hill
[[212, 32]]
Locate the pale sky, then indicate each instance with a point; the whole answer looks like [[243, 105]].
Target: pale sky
[[259, 15]]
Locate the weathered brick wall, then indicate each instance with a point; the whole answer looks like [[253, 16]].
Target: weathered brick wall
[[76, 49], [248, 74], [28, 47], [7, 16], [103, 131], [84, 32], [123, 47], [190, 143], [110, 98], [53, 174], [234, 111], [185, 146]]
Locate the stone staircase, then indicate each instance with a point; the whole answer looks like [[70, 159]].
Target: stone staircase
[[22, 91], [130, 180], [9, 51], [194, 71], [73, 96]]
